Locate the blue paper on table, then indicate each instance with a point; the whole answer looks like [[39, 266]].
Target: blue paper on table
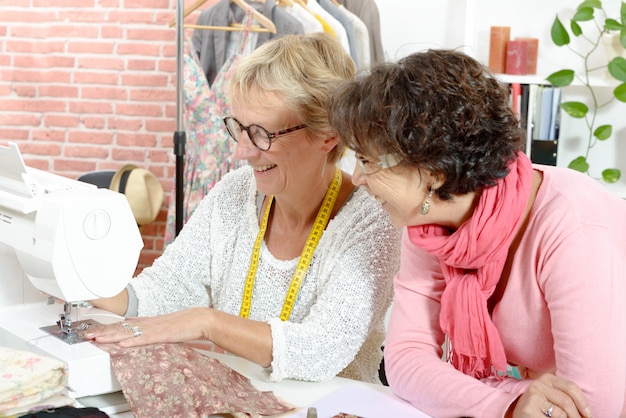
[[363, 402]]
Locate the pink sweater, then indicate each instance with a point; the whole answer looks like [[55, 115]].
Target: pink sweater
[[563, 310]]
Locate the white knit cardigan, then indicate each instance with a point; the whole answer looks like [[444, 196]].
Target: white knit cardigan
[[337, 322]]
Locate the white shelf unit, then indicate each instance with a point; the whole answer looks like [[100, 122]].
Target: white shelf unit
[[412, 25]]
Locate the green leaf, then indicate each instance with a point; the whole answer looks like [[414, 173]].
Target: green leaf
[[561, 78], [622, 36], [575, 109], [611, 175], [590, 3], [612, 24], [576, 29], [558, 33], [620, 92], [623, 13], [603, 132], [617, 68], [583, 14], [579, 164]]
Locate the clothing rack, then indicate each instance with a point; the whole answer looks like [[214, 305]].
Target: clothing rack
[[179, 135], [180, 138]]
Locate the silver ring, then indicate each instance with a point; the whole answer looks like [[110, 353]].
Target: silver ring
[[126, 326], [548, 412], [137, 332]]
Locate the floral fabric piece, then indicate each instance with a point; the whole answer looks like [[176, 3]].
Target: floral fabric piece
[[30, 382], [174, 380]]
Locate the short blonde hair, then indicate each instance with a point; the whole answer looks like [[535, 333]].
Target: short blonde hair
[[303, 71]]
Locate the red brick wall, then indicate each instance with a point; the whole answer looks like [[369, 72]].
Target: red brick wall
[[91, 85]]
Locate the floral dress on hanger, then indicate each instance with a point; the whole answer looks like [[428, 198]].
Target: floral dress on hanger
[[209, 151]]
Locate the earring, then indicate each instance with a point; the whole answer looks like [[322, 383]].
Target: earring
[[324, 166], [425, 208]]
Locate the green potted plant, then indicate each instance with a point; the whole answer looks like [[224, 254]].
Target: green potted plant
[[591, 23]]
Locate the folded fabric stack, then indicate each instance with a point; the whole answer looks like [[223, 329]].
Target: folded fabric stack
[[30, 383]]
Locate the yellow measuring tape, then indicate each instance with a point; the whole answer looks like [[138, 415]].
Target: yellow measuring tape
[[323, 215]]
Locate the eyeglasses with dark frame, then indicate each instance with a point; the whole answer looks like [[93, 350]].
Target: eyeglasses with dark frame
[[371, 167], [259, 136]]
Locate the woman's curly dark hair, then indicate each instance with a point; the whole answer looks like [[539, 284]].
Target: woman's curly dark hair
[[439, 110]]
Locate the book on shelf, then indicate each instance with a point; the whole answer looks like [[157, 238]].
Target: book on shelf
[[523, 104], [537, 107], [555, 115]]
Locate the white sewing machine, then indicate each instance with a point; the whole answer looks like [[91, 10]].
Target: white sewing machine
[[64, 239]]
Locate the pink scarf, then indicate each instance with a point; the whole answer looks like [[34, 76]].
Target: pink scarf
[[472, 260]]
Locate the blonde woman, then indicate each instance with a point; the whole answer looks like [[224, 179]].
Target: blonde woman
[[285, 262]]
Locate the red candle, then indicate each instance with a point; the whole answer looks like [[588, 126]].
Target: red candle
[[521, 56], [498, 40]]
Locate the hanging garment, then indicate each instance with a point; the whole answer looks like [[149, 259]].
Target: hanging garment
[[210, 45], [174, 380], [209, 151], [361, 39], [337, 28], [367, 11], [309, 23], [346, 22]]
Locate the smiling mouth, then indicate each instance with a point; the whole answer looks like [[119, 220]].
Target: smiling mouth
[[263, 168]]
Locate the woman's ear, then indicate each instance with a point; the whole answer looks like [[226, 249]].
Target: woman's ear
[[330, 141], [435, 180]]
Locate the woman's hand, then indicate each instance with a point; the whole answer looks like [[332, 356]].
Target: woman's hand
[[186, 325], [552, 396], [244, 337]]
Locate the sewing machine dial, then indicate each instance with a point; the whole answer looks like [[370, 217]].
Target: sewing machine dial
[[97, 224]]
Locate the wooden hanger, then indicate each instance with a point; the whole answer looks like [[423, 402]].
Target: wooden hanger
[[188, 11], [285, 3], [263, 21], [233, 27], [266, 24]]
